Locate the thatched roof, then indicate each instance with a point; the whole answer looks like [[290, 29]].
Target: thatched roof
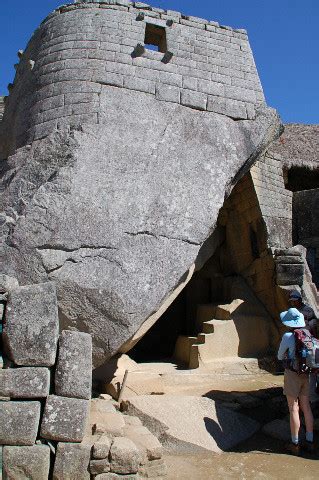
[[298, 146]]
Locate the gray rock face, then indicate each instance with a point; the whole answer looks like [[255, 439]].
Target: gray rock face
[[7, 283], [26, 382], [26, 463], [73, 377], [32, 326], [72, 462], [64, 419], [207, 425], [117, 213], [19, 422]]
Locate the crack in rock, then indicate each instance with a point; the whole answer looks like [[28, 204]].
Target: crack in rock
[[150, 234]]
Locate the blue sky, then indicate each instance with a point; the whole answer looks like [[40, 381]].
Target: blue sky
[[283, 35]]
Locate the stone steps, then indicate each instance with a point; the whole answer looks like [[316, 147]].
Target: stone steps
[[237, 330]]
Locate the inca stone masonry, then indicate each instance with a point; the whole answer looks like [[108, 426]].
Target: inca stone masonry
[[134, 175]]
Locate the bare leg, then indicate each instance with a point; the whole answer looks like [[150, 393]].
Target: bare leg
[[305, 407], [294, 415]]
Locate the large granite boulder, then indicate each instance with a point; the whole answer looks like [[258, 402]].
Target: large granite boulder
[[116, 214]]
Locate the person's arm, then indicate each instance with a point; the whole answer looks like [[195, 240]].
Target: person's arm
[[284, 345]]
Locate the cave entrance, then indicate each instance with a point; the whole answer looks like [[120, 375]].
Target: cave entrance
[[235, 262]]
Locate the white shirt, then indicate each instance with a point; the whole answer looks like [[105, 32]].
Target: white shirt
[[287, 343]]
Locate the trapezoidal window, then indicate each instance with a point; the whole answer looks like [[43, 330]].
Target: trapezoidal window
[[155, 38]]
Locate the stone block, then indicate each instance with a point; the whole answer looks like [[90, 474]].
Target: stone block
[[154, 469], [139, 84], [212, 88], [101, 448], [99, 466], [289, 259], [26, 463], [168, 93], [72, 462], [190, 83], [25, 382], [290, 274], [123, 3], [64, 419], [171, 79], [193, 99], [124, 456], [188, 23], [32, 325], [197, 19], [73, 376], [251, 111], [173, 14], [238, 93], [110, 78], [19, 422], [225, 106], [111, 423], [146, 441]]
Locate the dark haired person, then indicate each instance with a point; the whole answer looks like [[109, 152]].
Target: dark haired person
[[295, 301]]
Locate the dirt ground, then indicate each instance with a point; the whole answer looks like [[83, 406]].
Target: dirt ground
[[260, 457], [242, 466]]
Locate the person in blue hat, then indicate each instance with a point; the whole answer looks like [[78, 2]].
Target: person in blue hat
[[296, 385], [295, 300]]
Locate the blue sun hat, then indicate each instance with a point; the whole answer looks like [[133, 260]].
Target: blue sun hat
[[292, 318]]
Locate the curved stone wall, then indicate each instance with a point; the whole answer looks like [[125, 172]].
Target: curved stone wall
[[79, 49]]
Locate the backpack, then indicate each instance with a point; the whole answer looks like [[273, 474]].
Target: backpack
[[307, 352]]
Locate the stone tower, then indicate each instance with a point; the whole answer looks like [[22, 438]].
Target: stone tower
[[125, 129]]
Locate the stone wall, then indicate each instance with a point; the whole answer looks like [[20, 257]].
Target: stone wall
[[79, 49], [45, 395], [246, 251], [274, 199]]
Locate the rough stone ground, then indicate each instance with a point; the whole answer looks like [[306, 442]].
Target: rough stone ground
[[258, 396], [250, 465]]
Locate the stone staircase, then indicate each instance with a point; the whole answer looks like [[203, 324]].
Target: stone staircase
[[232, 336]]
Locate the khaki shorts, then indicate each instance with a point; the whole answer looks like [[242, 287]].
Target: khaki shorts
[[296, 385]]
